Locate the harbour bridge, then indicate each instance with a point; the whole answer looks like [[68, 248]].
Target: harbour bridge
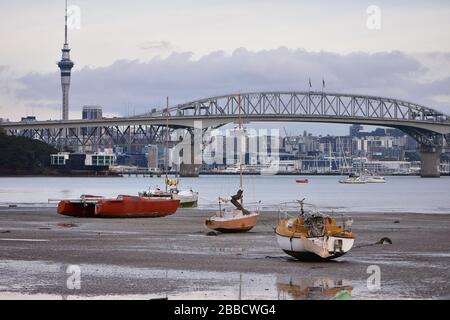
[[429, 127]]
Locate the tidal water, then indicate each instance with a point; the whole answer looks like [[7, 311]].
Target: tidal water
[[399, 194]]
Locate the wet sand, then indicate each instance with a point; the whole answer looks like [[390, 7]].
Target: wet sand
[[174, 258]]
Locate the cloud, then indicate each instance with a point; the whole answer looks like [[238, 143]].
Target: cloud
[[134, 86], [156, 46]]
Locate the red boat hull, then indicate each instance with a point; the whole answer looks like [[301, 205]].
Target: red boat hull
[[76, 209], [302, 181], [122, 207]]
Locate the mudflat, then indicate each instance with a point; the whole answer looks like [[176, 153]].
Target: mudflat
[[45, 255]]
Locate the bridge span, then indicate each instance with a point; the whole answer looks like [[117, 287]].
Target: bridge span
[[429, 127]]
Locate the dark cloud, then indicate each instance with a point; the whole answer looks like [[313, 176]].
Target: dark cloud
[[143, 85]]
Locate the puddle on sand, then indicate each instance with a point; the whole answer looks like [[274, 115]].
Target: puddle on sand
[[29, 280], [316, 288], [285, 288]]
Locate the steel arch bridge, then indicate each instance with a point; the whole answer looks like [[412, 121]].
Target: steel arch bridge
[[429, 127], [421, 122]]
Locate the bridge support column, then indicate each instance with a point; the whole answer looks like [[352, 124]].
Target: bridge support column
[[189, 170], [192, 169], [430, 161]]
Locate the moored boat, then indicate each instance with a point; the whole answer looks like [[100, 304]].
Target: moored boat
[[238, 219], [375, 179], [353, 180], [302, 181], [122, 207], [233, 220], [312, 235], [188, 198]]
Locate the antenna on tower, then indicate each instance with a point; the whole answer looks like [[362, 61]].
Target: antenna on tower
[[65, 30]]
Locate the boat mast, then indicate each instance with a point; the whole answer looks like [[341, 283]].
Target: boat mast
[[167, 140], [329, 151], [240, 148]]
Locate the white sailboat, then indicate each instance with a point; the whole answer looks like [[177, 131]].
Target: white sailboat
[[188, 198], [353, 180], [312, 235]]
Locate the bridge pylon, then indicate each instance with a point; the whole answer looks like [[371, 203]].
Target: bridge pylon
[[190, 149], [430, 158]]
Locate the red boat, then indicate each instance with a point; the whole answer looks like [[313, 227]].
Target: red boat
[[122, 207], [302, 181]]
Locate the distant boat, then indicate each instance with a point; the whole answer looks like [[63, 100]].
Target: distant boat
[[122, 207], [313, 235], [302, 181], [353, 180], [363, 179], [375, 179]]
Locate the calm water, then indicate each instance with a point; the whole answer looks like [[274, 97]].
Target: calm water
[[399, 194]]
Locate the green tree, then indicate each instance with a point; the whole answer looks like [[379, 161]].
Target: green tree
[[21, 153]]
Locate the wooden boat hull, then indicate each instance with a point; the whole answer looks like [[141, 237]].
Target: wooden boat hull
[[241, 224], [122, 207]]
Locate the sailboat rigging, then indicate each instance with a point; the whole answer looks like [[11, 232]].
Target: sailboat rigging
[[188, 198], [237, 219]]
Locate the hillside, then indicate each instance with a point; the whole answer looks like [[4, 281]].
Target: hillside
[[20, 154]]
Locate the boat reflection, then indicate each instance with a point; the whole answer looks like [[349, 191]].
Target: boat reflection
[[316, 288]]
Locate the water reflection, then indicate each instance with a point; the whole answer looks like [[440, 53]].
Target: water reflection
[[317, 288]]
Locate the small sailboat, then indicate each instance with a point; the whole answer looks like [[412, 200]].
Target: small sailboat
[[374, 178], [312, 235], [353, 179], [238, 219], [188, 198], [233, 220]]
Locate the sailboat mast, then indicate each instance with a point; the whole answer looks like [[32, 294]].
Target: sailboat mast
[[329, 151], [240, 147], [167, 140]]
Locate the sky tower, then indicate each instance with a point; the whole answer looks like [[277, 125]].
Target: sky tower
[[65, 65]]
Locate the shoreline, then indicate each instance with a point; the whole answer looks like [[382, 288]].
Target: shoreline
[[121, 175], [268, 210], [175, 257]]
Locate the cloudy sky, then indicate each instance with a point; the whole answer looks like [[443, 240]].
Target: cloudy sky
[[130, 55]]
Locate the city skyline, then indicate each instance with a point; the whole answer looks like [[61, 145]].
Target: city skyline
[[131, 68]]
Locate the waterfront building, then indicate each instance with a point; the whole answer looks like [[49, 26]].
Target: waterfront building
[[82, 161]]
